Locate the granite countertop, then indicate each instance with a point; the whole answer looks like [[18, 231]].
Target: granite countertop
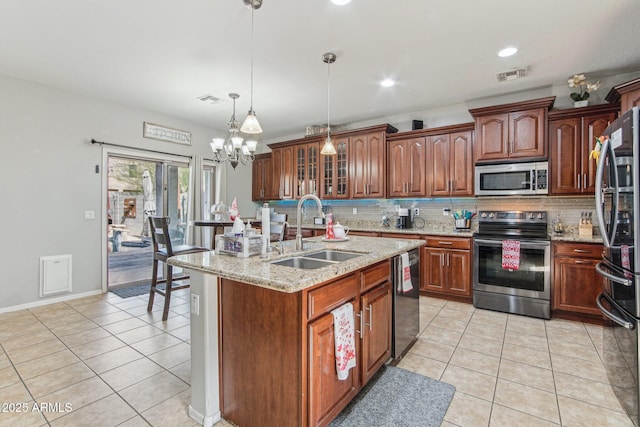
[[259, 271], [437, 229], [575, 237]]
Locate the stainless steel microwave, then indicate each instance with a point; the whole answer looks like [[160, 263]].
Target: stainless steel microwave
[[511, 179]]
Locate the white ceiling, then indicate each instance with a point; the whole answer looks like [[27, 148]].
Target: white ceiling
[[161, 55]]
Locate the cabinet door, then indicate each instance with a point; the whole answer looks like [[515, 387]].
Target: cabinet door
[[376, 340], [458, 272], [576, 284], [301, 170], [592, 127], [433, 272], [565, 146], [492, 133], [257, 180], [358, 166], [376, 165], [439, 171], [415, 165], [334, 172], [268, 184], [313, 168], [526, 133], [287, 173], [397, 169], [629, 100], [461, 163], [327, 394]]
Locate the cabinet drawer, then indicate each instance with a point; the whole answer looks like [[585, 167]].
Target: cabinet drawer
[[400, 236], [364, 233], [583, 250], [331, 296], [448, 242], [375, 275]]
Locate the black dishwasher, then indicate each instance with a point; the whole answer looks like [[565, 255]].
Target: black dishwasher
[[406, 306]]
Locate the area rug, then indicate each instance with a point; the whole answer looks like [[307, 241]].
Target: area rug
[[397, 397], [134, 291]]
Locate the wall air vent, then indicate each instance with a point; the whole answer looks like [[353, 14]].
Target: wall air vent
[[511, 75], [209, 98]]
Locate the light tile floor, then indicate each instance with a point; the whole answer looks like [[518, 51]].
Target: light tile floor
[[104, 361]]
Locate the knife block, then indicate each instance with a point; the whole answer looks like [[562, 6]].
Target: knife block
[[585, 230]]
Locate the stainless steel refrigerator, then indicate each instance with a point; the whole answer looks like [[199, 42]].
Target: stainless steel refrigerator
[[617, 208]]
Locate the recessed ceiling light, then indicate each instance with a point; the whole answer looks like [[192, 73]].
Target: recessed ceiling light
[[340, 2], [387, 82], [507, 51]]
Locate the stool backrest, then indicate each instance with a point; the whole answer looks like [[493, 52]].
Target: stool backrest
[[278, 226], [159, 228]]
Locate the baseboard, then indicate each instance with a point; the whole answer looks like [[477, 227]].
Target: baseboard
[[202, 420], [49, 301]]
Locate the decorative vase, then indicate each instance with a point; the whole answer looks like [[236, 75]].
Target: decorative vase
[[584, 103]]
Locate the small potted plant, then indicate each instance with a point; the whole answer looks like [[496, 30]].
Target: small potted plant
[[581, 98]]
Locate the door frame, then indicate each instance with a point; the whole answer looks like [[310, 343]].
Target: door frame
[[192, 161]]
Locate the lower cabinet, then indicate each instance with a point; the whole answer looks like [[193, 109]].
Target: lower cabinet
[[372, 314], [446, 266], [576, 284]]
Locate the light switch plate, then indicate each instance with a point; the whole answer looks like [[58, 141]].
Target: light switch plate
[[195, 304], [355, 211], [89, 214]]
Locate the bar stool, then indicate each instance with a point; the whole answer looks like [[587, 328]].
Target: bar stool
[[162, 250]]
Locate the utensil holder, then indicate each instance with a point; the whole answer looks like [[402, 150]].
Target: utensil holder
[[463, 223], [585, 230]]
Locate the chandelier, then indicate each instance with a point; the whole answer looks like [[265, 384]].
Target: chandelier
[[234, 149]]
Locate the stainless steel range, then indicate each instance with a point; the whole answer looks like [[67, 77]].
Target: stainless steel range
[[511, 269]]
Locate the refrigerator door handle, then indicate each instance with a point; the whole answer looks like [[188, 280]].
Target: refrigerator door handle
[[620, 321], [612, 277], [600, 190]]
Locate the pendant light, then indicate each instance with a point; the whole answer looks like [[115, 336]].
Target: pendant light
[[328, 147], [251, 124]]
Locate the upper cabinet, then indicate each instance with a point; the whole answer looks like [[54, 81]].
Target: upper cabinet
[[451, 158], [367, 160], [307, 167], [283, 170], [407, 168], [628, 94], [261, 178], [334, 171], [511, 131], [572, 136]]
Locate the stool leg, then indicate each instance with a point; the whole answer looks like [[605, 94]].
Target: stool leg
[[167, 292], [154, 282]]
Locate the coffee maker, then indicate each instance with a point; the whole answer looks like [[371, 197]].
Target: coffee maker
[[404, 219]]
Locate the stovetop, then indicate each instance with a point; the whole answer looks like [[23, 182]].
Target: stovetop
[[512, 224]]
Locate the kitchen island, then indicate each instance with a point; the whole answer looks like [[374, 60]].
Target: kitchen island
[[262, 333]]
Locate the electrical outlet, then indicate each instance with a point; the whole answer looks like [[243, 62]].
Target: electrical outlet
[[355, 211], [89, 214], [416, 211], [445, 211], [195, 304]]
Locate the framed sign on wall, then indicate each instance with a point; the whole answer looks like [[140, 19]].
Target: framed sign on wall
[[162, 133]]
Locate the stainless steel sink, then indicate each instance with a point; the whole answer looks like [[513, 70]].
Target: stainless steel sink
[[317, 259], [331, 255], [302, 262]]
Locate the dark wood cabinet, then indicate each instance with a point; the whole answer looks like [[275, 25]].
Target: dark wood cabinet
[[512, 131], [451, 160], [367, 165], [307, 167], [627, 94], [572, 136], [283, 173], [334, 173], [576, 284], [376, 337], [262, 183], [446, 266], [407, 168]]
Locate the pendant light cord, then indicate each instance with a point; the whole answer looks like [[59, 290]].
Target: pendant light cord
[[329, 99], [252, 9]]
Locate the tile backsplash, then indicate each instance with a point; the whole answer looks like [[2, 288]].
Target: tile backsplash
[[371, 212]]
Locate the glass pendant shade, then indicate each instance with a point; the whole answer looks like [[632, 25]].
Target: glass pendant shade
[[251, 125], [251, 145], [328, 148], [217, 144]]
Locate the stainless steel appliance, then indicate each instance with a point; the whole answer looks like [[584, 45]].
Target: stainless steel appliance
[[525, 290], [617, 200], [404, 218], [406, 306], [512, 179]]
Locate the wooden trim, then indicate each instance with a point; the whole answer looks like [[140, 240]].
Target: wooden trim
[[462, 127], [387, 128], [616, 91], [516, 106], [584, 111]]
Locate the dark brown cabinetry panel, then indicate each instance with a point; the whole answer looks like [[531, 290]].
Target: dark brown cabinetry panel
[[446, 266], [407, 167]]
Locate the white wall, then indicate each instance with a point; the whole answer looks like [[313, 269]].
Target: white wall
[[48, 179]]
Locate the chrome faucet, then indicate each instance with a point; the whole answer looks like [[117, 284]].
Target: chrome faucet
[[299, 217]]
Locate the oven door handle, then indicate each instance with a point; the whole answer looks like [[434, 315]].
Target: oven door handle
[[620, 321], [612, 277], [524, 244]]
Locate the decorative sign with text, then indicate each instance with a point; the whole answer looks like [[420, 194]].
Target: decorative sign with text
[[162, 133]]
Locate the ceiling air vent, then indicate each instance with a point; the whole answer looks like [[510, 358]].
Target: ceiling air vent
[[209, 98], [511, 75]]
